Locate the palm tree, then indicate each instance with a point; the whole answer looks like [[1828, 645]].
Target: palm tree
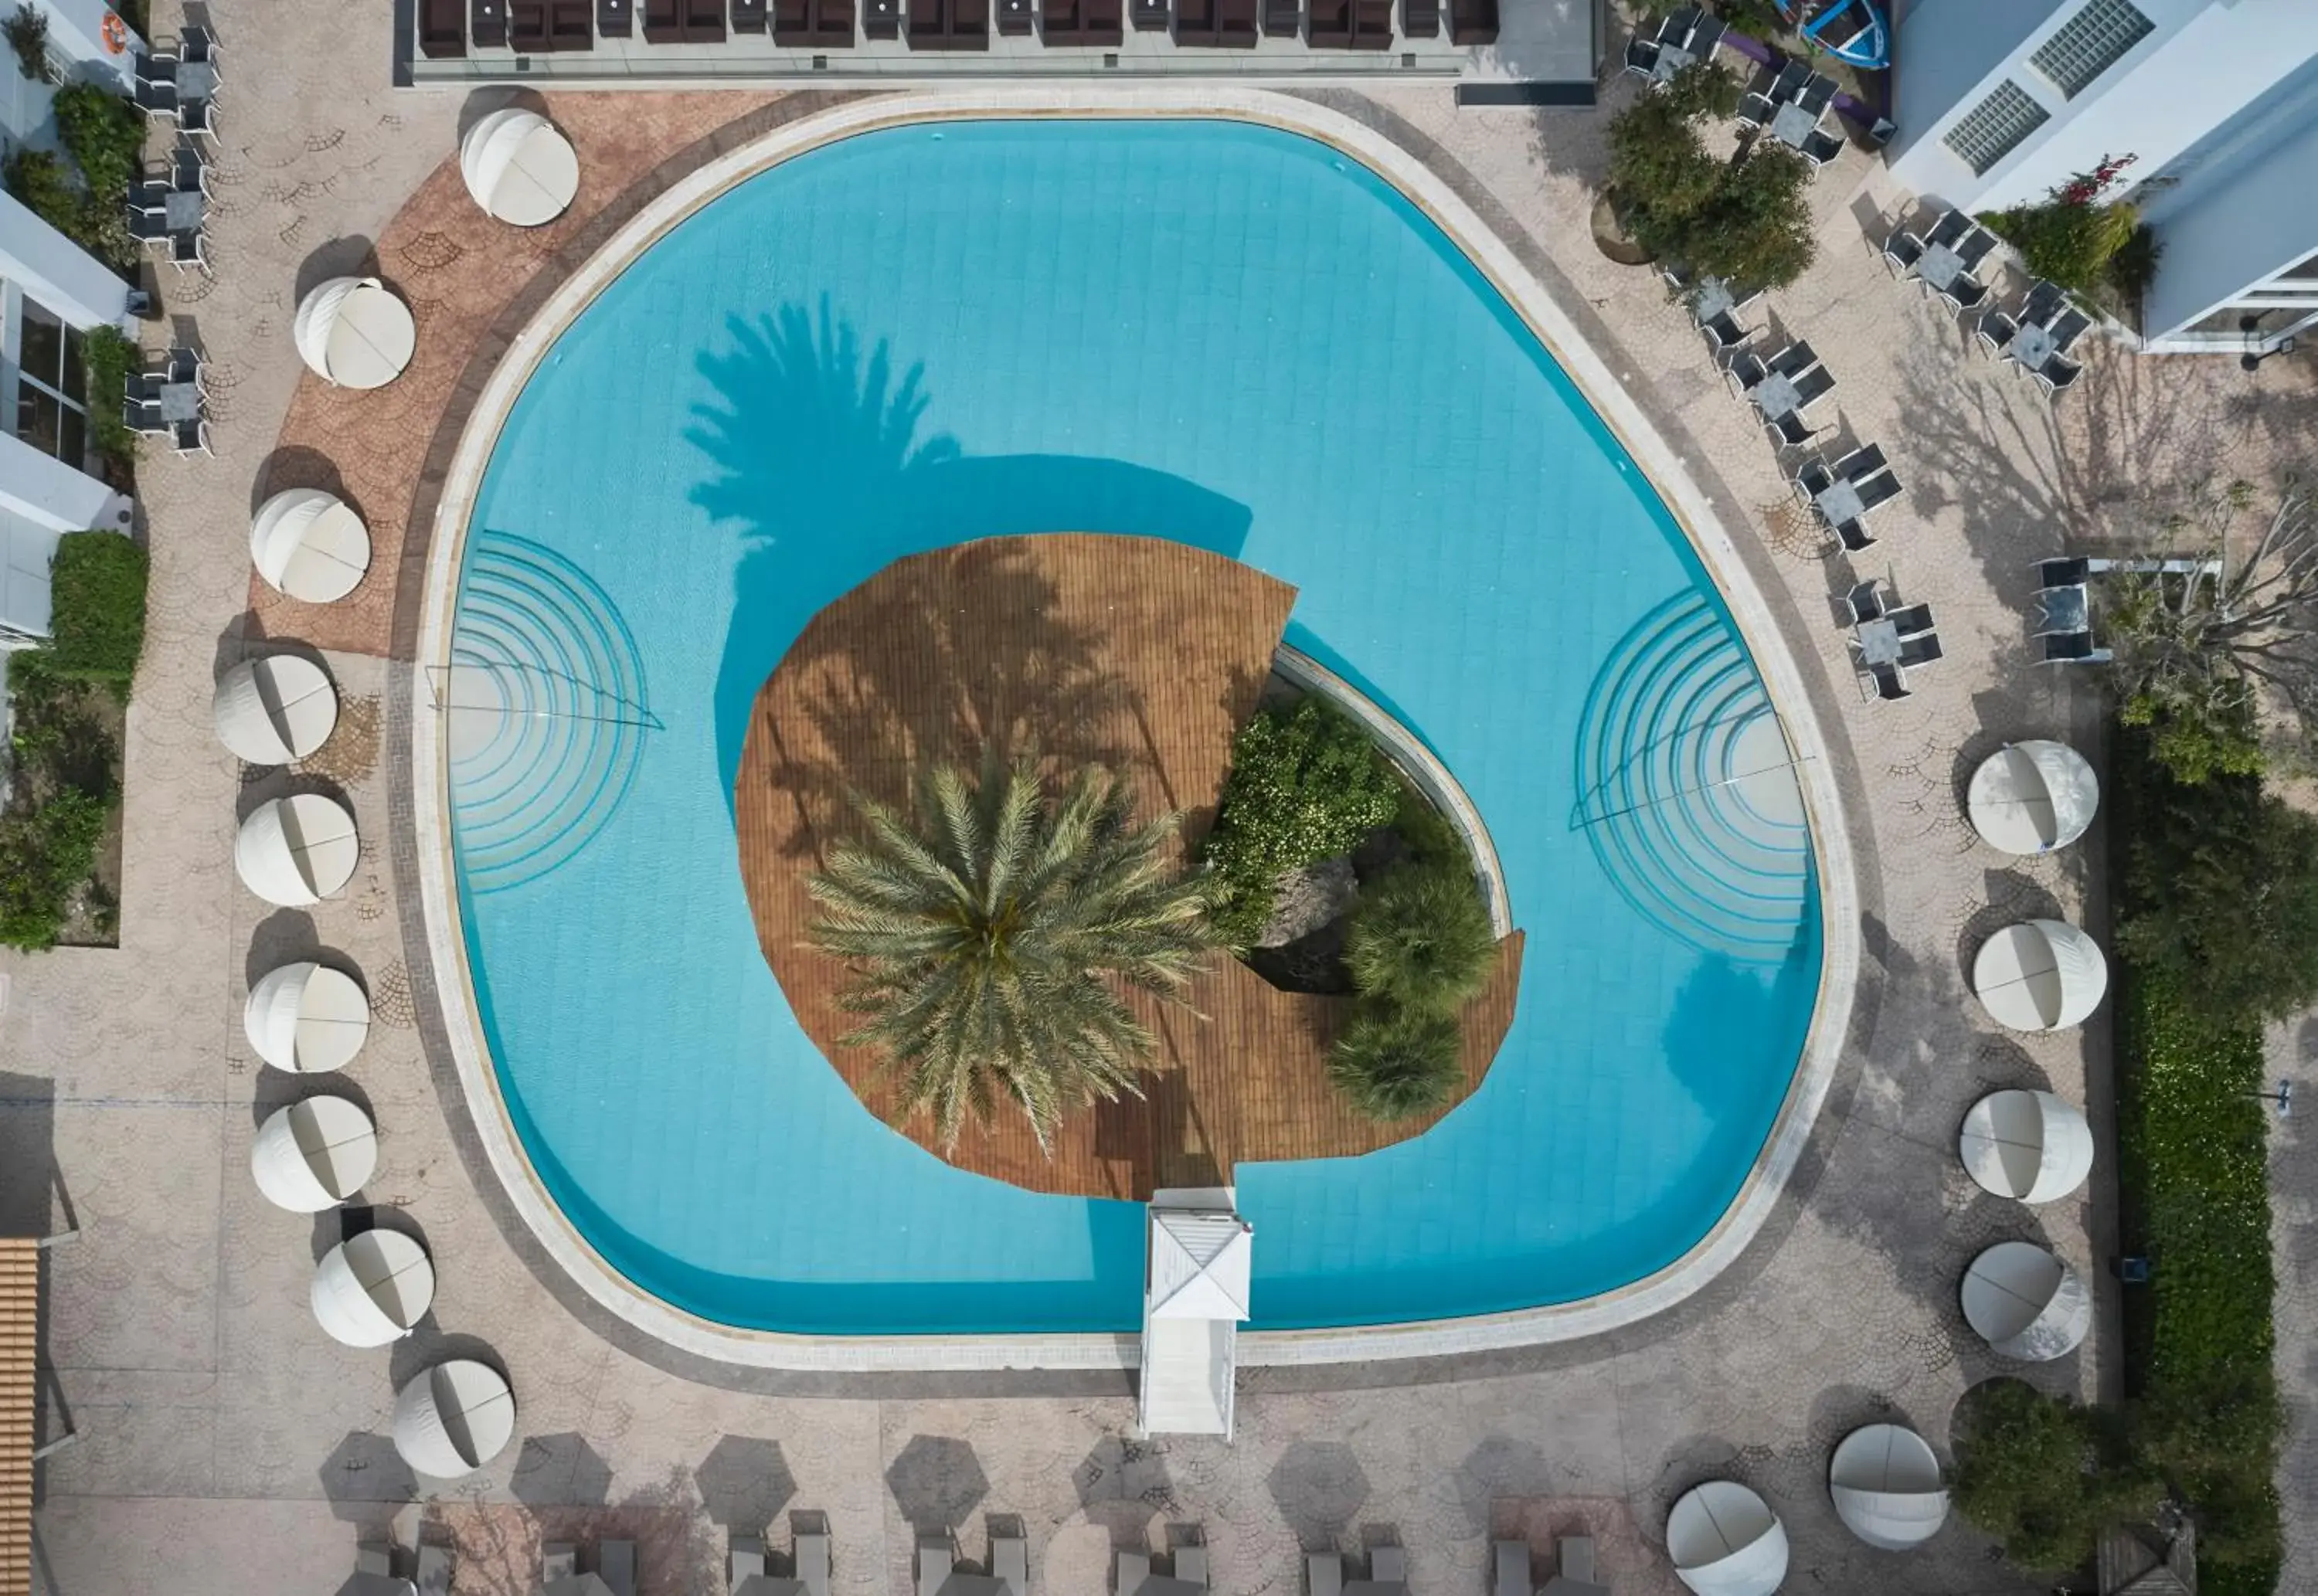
[[992, 931]]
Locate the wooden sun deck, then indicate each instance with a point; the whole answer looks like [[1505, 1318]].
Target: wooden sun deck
[[1142, 654]]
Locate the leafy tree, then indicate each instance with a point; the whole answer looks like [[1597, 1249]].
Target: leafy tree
[[2044, 1475], [991, 931], [1744, 221], [2071, 236], [1306, 785], [1393, 1062], [2223, 880], [1420, 939]]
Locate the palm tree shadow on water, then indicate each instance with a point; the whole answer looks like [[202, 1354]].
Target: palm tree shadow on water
[[820, 454]]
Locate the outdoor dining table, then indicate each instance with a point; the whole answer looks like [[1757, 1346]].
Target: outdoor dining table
[[196, 80], [1792, 124], [1939, 265], [2066, 609], [1840, 503], [1713, 299], [1775, 396], [2031, 345], [1672, 59], [180, 401], [1879, 641], [182, 211]]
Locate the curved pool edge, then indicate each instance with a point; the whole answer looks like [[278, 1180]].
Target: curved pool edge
[[1815, 1070]]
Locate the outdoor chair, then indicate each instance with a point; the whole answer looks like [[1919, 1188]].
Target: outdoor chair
[[1920, 649], [1911, 619], [1789, 83], [1816, 94], [1323, 1573], [1675, 25], [1813, 386], [1723, 333], [1641, 56], [185, 251], [192, 437], [1902, 251], [2044, 299], [1949, 229], [1744, 372], [1854, 535], [1706, 38], [1976, 248], [1888, 686], [1965, 293], [1755, 111], [1863, 604], [1993, 331], [1795, 359], [1881, 488], [1791, 431], [2057, 373], [1820, 147], [1512, 1574], [199, 118], [143, 417], [2074, 648], [2070, 572], [157, 101], [1861, 462], [2069, 327], [148, 227], [196, 43], [1813, 478]]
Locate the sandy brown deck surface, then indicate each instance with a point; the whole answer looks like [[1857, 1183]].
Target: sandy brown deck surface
[[1142, 655]]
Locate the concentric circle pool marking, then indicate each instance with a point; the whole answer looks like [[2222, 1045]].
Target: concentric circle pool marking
[[1724, 1235]]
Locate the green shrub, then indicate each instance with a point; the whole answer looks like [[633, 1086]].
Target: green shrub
[[96, 607], [1393, 1064], [2134, 267], [2221, 884], [111, 356], [2069, 243], [1306, 785], [45, 856], [104, 134], [1430, 837], [41, 182], [1419, 937], [2044, 1476]]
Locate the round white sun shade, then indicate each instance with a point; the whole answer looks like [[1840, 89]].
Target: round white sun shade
[[306, 1017], [453, 1419], [2026, 1144], [297, 851], [373, 1288], [2024, 1303], [1886, 1485], [314, 1156], [274, 710], [1726, 1541], [2033, 797], [353, 331], [308, 544], [2040, 975], [519, 167]]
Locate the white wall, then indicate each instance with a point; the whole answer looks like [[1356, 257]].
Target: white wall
[[56, 271], [2243, 225], [2204, 61], [1946, 56], [76, 34]]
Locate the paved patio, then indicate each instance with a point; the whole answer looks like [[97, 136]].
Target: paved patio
[[228, 1444]]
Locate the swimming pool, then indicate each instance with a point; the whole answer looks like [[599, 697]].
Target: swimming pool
[[1204, 330]]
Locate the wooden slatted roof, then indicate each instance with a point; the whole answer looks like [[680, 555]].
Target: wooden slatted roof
[[1143, 654], [19, 1313]]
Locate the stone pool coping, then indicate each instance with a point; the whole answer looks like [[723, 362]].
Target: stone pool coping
[[1840, 968]]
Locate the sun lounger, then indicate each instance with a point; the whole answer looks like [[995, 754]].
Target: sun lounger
[[1512, 1576], [1235, 23], [1472, 22], [435, 1564], [748, 16], [616, 1565], [1420, 19], [1195, 22], [1371, 24], [616, 19], [442, 28], [1192, 1563], [1388, 1566], [1009, 1560], [527, 26], [664, 21], [1133, 1571], [1148, 15], [1323, 1573], [1283, 19], [569, 24], [745, 1561], [703, 22], [1328, 24], [934, 1561]]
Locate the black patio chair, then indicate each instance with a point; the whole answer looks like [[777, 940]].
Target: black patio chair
[[1863, 604], [1861, 462], [1919, 650], [1817, 94], [1792, 76], [1745, 372], [1976, 248], [1889, 686], [1813, 478], [2056, 374], [1820, 147], [1993, 331], [1756, 111], [1795, 359], [2043, 299], [2074, 648], [1911, 619], [1706, 38], [1675, 25], [1950, 229], [2069, 327], [1881, 488], [1642, 55], [1854, 535], [1965, 293], [1813, 386], [1902, 251], [2065, 572], [1791, 431], [1723, 333]]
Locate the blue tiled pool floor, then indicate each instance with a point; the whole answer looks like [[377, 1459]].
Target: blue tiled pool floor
[[1199, 330]]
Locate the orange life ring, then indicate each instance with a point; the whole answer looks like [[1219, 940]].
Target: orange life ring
[[116, 33]]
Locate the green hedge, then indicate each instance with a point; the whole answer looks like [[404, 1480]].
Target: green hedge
[[2194, 1187], [1306, 785], [96, 608]]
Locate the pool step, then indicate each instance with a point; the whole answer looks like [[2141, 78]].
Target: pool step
[[547, 711], [1684, 787]]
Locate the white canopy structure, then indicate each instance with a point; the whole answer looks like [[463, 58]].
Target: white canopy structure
[[2024, 1303], [2026, 1144], [314, 1156], [2040, 975], [453, 1419], [1195, 1292], [373, 1288], [297, 851], [519, 167], [1726, 1541], [274, 710], [1886, 1485], [2032, 797], [306, 1017], [352, 332], [308, 544]]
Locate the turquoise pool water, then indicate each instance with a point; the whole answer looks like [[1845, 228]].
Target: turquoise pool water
[[1199, 330]]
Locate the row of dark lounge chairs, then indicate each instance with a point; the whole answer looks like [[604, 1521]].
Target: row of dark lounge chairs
[[448, 27]]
